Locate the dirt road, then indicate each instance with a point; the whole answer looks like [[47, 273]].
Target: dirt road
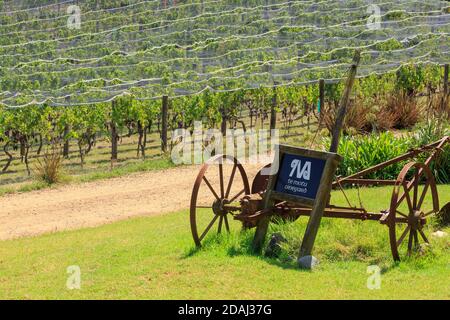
[[95, 203]]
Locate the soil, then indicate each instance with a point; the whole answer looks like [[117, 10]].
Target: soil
[[95, 203]]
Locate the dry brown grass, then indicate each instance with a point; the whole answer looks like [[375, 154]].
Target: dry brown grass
[[49, 167], [359, 117], [396, 111], [365, 116], [403, 110]]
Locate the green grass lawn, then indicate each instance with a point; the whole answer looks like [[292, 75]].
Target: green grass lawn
[[154, 258]]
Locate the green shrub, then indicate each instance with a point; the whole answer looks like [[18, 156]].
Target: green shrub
[[429, 132], [362, 152]]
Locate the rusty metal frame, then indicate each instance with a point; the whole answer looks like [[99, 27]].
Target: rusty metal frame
[[284, 209], [290, 209]]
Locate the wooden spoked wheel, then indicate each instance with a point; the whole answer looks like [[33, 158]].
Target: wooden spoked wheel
[[413, 200], [220, 184]]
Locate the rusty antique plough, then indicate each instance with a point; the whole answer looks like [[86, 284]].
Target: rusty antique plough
[[414, 199]]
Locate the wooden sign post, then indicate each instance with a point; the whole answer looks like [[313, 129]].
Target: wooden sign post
[[164, 117], [304, 176], [301, 176], [446, 93], [319, 207]]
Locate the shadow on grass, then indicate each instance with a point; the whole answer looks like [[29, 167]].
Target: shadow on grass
[[283, 263], [334, 249], [238, 245]]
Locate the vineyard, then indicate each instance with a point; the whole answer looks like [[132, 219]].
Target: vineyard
[[131, 130], [94, 95], [139, 70]]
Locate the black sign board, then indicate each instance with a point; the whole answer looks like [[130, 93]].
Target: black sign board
[[299, 174]]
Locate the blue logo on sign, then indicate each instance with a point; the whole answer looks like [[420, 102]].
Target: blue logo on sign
[[299, 176], [301, 171]]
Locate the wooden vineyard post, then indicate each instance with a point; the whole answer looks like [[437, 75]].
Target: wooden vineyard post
[[66, 146], [273, 113], [320, 111], [164, 116], [444, 106], [321, 97], [114, 135], [330, 169], [223, 124]]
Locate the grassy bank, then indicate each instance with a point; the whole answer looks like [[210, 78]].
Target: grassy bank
[[154, 258]]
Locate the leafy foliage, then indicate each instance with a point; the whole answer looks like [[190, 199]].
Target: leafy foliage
[[362, 152], [429, 132], [155, 48]]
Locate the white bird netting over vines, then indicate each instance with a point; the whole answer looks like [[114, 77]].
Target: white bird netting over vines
[[84, 52]]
